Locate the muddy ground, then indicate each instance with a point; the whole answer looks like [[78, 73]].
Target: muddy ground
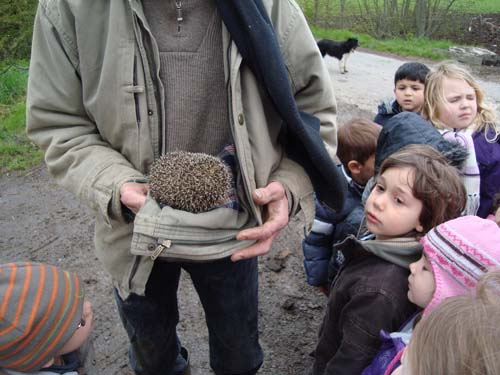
[[41, 222]]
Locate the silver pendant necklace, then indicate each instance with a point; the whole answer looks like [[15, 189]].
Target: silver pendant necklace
[[178, 9]]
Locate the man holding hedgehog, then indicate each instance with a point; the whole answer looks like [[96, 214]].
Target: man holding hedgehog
[[114, 86]]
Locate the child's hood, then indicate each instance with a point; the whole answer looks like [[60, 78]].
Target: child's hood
[[410, 128], [460, 251], [388, 106]]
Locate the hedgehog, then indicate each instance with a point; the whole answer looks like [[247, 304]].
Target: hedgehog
[[192, 182]]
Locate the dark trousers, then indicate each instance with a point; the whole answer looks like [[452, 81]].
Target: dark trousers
[[228, 292]]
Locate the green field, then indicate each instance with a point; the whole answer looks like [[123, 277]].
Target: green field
[[352, 6], [478, 6], [419, 47]]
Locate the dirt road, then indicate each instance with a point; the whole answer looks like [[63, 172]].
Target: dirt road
[[41, 222], [371, 78]]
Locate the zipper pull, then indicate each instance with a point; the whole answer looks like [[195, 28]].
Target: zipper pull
[[178, 10], [164, 245]]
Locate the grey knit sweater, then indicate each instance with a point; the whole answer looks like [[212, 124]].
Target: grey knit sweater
[[192, 73]]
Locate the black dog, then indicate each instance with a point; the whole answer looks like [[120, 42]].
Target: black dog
[[339, 50]]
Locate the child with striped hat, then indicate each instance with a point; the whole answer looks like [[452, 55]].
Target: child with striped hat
[[44, 319]]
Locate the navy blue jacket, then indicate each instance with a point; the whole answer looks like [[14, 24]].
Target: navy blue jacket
[[386, 110], [330, 227]]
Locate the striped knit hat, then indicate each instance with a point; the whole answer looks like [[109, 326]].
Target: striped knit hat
[[40, 308], [460, 251]]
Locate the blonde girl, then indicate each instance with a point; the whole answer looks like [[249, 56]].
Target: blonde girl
[[460, 336], [454, 103]]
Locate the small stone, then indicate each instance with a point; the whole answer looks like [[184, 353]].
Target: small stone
[[274, 265], [289, 304]]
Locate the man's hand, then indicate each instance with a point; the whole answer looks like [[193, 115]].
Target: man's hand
[[133, 195], [275, 217]]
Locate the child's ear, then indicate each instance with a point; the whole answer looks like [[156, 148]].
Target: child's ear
[[354, 167], [419, 228]]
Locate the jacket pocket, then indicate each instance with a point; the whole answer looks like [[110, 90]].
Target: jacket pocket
[[173, 234]]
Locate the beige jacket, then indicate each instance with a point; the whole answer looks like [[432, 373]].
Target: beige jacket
[[95, 106]]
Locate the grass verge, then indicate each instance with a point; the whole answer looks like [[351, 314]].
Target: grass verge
[[16, 150], [418, 47], [13, 80]]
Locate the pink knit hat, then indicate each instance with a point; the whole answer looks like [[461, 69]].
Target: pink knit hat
[[460, 251]]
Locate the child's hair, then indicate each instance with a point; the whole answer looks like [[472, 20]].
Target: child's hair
[[436, 183], [41, 307], [460, 252], [460, 336], [412, 71], [485, 119], [357, 140]]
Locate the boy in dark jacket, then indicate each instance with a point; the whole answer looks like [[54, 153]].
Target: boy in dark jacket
[[415, 190], [357, 141], [409, 85]]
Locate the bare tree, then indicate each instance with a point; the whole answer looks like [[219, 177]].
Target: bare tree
[[382, 18]]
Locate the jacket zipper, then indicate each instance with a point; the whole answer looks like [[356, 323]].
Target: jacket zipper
[[137, 259], [159, 249], [167, 244]]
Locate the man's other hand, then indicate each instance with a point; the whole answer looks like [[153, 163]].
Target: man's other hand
[[275, 215]]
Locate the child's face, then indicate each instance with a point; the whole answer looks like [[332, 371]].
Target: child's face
[[409, 95], [391, 209], [421, 283], [82, 332], [460, 106]]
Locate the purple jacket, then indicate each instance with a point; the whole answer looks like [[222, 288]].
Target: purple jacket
[[488, 160], [392, 344]]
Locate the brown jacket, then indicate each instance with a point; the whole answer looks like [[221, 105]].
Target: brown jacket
[[369, 294]]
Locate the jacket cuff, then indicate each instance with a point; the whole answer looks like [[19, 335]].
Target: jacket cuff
[[103, 191], [116, 210]]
